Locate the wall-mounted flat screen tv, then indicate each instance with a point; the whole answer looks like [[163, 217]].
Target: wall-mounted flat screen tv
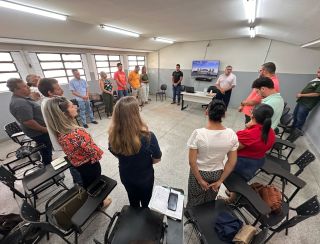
[[205, 69]]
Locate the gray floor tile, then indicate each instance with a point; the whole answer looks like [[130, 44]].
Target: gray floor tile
[[173, 128]]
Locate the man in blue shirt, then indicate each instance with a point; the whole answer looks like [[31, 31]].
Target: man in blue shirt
[[79, 88]]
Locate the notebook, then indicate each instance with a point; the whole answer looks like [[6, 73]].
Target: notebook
[[58, 163], [159, 202]]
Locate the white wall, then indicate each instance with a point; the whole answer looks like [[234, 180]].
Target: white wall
[[295, 67], [243, 54]]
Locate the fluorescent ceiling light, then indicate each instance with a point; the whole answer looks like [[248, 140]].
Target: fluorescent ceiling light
[[311, 43], [250, 8], [159, 39], [32, 10], [252, 32], [120, 31]]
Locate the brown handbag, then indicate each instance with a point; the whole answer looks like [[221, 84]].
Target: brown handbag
[[245, 234], [63, 213], [271, 195]]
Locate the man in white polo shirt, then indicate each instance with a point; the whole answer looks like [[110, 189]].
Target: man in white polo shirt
[[225, 83]]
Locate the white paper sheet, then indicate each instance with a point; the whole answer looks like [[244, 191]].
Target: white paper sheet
[[159, 202]]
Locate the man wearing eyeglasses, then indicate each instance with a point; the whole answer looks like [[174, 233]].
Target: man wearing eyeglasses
[[225, 83], [267, 70]]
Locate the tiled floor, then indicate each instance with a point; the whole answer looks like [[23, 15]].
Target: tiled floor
[[172, 128]]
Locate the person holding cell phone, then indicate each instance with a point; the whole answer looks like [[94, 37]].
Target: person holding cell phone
[[136, 148], [75, 141], [208, 148]]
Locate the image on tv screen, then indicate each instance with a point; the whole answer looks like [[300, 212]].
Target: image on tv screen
[[205, 68]]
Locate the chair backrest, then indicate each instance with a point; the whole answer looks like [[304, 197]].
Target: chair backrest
[[163, 87], [304, 160], [7, 178], [306, 210], [294, 135], [286, 119], [285, 110], [29, 213], [11, 129], [95, 97]]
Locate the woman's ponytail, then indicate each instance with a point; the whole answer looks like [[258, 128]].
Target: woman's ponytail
[[263, 114], [265, 129]]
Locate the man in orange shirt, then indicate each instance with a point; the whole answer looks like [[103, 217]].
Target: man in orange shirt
[[121, 79], [134, 81], [254, 98]]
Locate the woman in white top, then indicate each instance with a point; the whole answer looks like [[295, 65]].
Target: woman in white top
[[208, 148]]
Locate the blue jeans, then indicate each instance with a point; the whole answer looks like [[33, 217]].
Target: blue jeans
[[300, 115], [247, 167], [46, 152], [176, 93], [76, 176], [85, 107], [122, 93]]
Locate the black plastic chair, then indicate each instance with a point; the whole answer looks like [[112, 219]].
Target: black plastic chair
[[274, 169], [285, 111], [33, 217], [81, 217], [280, 146], [25, 152], [97, 103], [15, 133], [285, 121], [9, 179], [303, 161], [203, 217], [306, 210], [134, 224], [162, 92]]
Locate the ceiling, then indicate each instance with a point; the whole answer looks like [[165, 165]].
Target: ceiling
[[292, 21]]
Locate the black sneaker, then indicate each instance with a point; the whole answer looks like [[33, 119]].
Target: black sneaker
[[94, 122], [85, 126], [173, 102], [178, 104]]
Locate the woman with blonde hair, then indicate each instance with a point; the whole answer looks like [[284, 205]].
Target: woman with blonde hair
[[107, 92], [76, 142], [136, 148]]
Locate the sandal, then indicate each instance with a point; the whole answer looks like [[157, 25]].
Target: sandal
[[106, 202]]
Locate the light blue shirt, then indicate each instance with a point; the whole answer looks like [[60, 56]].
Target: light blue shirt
[[79, 86]]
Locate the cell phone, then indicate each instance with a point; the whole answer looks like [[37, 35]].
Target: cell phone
[[94, 190], [172, 201]]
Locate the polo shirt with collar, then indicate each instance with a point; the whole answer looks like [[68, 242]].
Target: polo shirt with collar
[[276, 102]]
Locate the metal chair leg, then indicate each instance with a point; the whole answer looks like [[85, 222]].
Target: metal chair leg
[[98, 113], [272, 180]]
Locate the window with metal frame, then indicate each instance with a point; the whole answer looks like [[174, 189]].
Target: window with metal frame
[[59, 66], [8, 69], [107, 63], [135, 60]]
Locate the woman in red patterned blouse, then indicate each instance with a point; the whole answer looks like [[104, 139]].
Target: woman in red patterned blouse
[[75, 141]]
